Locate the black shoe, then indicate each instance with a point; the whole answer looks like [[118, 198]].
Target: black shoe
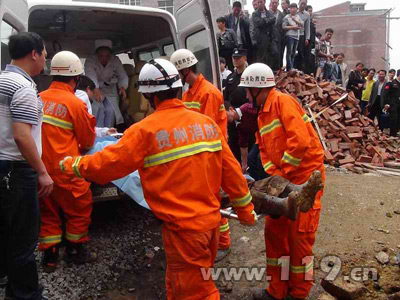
[[50, 259], [3, 282], [79, 254]]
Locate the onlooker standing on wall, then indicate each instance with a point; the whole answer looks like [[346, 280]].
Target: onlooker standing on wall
[[366, 94], [337, 75], [304, 50], [291, 25], [391, 74], [356, 81], [21, 168], [375, 103], [227, 41], [324, 56], [279, 34], [239, 23], [285, 11], [264, 23], [253, 33], [313, 31]]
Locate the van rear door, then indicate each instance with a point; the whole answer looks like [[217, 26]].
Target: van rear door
[[196, 33], [14, 18]]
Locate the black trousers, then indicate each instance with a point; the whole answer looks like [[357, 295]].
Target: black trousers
[[19, 230], [256, 169], [267, 53], [303, 56], [375, 111], [394, 114], [233, 141]]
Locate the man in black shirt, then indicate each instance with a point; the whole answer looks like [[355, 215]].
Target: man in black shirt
[[391, 99], [235, 96]]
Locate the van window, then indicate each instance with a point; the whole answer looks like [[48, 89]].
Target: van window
[[6, 31], [124, 57], [199, 45], [169, 49], [149, 54]]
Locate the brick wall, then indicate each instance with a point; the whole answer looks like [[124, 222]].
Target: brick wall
[[360, 37]]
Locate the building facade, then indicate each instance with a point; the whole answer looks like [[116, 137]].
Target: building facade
[[362, 35]]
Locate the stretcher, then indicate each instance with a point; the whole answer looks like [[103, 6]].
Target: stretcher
[[131, 185], [229, 213]]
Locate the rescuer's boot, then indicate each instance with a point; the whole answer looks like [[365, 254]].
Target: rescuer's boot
[[50, 258], [79, 254]]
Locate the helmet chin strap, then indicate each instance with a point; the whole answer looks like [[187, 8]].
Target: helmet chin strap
[[184, 77], [151, 98], [254, 96]]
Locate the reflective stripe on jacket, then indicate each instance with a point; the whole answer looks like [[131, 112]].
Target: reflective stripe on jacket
[[289, 145], [182, 159]]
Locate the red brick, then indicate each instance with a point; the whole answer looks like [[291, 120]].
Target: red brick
[[334, 145], [347, 160], [348, 115], [356, 135], [365, 159]]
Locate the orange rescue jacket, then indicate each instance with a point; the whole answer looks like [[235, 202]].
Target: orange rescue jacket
[[67, 130], [289, 145], [205, 98], [182, 159]]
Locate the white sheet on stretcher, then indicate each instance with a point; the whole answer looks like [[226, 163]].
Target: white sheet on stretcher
[[130, 184]]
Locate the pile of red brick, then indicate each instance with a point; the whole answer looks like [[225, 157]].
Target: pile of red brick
[[350, 139]]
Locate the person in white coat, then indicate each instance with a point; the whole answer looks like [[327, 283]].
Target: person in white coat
[[108, 74]]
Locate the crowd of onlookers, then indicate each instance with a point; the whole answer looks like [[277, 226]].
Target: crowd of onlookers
[[265, 36]]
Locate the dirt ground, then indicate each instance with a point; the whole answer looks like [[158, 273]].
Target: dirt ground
[[358, 221]]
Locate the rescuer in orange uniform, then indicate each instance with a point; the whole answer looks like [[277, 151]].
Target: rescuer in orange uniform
[[183, 160], [289, 147], [68, 129], [205, 98]]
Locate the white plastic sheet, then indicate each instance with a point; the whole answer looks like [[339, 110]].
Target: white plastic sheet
[[130, 184]]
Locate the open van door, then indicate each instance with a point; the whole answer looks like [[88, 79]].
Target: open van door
[[196, 33], [14, 18]]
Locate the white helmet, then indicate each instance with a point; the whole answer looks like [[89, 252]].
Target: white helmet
[[258, 76], [158, 75], [66, 63], [183, 59]]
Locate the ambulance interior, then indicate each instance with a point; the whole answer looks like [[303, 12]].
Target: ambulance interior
[[137, 36]]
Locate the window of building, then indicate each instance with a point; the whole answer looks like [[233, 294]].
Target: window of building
[[131, 2], [167, 5], [357, 7], [199, 44], [6, 31]]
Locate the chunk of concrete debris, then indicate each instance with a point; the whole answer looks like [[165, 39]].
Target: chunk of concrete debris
[[341, 289], [382, 258]]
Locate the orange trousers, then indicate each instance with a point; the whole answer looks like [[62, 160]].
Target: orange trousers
[[224, 235], [77, 211], [289, 253], [187, 252]]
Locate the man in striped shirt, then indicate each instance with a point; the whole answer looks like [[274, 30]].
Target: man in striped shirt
[[21, 168]]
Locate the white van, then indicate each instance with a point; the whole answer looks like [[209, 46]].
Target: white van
[[138, 33]]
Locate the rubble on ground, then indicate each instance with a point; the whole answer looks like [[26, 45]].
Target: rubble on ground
[[351, 140]]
